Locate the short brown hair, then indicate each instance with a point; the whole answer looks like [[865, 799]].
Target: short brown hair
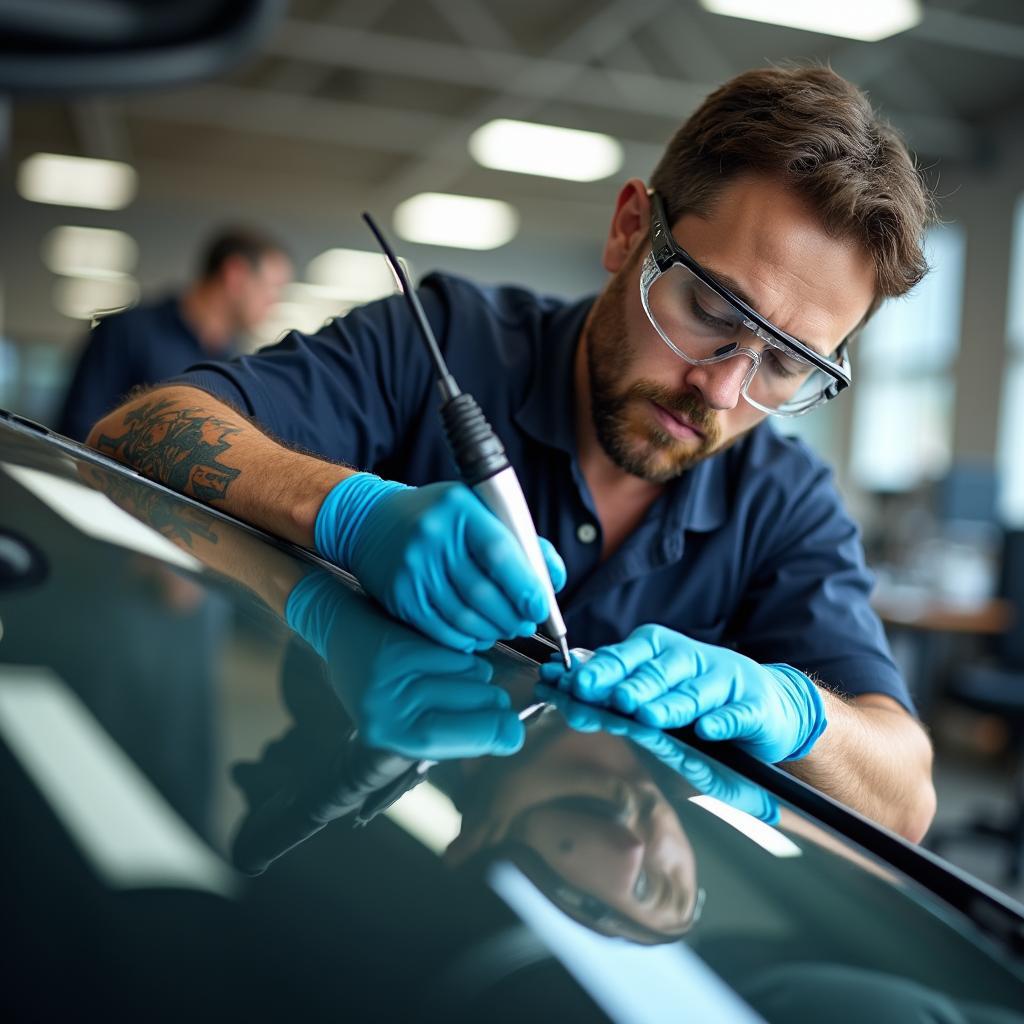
[[820, 135], [250, 243]]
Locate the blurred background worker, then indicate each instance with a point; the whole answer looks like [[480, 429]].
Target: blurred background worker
[[242, 274]]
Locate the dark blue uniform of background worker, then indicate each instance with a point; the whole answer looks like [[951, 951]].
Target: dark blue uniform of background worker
[[781, 210], [241, 276]]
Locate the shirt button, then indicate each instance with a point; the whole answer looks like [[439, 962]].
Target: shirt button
[[586, 533]]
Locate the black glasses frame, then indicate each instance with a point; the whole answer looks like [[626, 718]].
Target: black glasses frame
[[667, 251]]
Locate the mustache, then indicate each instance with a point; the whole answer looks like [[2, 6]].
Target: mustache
[[686, 404]]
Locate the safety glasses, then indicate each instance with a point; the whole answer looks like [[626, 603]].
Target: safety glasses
[[704, 322]]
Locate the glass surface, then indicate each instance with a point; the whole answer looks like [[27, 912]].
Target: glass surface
[[184, 787]]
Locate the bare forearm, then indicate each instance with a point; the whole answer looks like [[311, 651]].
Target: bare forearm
[[875, 758], [186, 439]]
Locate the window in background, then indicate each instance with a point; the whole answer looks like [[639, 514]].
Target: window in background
[[819, 428], [1011, 427], [903, 387]]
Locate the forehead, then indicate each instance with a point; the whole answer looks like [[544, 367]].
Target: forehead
[[765, 241]]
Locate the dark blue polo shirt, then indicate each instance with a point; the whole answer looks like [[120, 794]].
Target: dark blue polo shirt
[[143, 345], [750, 549]]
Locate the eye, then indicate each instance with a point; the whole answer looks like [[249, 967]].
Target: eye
[[785, 367], [709, 319], [642, 886]]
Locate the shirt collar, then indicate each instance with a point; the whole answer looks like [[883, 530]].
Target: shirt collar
[[698, 500]]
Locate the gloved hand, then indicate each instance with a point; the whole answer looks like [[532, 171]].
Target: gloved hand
[[404, 693], [701, 772], [437, 558], [667, 680]]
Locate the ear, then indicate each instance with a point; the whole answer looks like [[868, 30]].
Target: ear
[[630, 225], [234, 273]]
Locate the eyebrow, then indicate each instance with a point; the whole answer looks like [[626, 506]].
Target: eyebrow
[[734, 286]]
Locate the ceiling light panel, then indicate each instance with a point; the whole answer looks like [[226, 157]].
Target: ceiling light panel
[[352, 275], [867, 20], [90, 252], [546, 150], [81, 298], [463, 222], [76, 181]]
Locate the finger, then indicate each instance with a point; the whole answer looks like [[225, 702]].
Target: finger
[[553, 673], [440, 734], [465, 618], [673, 667], [673, 710], [553, 560], [481, 597], [499, 557], [595, 679], [414, 656], [432, 694], [679, 662], [732, 722], [412, 604], [663, 747]]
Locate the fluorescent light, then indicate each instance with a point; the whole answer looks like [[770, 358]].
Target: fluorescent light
[[867, 20], [632, 983], [131, 836], [464, 222], [428, 815], [94, 514], [77, 181], [90, 252], [81, 298], [351, 274], [545, 149], [757, 831]]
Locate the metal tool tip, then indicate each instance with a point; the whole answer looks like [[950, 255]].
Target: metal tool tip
[[564, 648]]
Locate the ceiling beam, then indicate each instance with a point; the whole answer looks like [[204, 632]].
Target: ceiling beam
[[501, 71], [285, 115], [514, 76]]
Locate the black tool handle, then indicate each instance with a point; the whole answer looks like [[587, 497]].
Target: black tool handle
[[478, 452]]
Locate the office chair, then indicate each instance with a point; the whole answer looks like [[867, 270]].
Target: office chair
[[996, 687]]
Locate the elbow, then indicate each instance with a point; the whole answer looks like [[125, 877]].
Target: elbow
[[920, 812], [921, 803], [92, 440]]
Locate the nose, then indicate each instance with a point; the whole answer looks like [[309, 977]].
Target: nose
[[721, 384]]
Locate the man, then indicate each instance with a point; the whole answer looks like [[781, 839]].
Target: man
[[781, 210], [241, 277]]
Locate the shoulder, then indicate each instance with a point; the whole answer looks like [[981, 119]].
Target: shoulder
[[511, 307], [139, 318], [780, 482], [767, 460]]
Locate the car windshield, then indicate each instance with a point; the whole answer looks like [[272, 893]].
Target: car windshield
[[189, 707]]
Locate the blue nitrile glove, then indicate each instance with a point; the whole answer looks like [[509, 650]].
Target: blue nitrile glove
[[667, 680], [435, 557], [405, 694], [701, 772]]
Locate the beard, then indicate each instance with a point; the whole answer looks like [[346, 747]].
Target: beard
[[626, 429]]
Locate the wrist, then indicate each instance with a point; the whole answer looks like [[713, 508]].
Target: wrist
[[306, 609], [345, 510], [812, 707]]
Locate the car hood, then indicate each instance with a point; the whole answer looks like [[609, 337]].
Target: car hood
[[182, 730]]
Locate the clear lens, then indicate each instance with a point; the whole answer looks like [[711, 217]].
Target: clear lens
[[702, 327]]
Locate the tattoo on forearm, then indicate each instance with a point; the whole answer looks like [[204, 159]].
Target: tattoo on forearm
[[179, 447], [175, 519]]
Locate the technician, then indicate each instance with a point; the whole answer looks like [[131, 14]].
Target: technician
[[241, 274], [712, 553]]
